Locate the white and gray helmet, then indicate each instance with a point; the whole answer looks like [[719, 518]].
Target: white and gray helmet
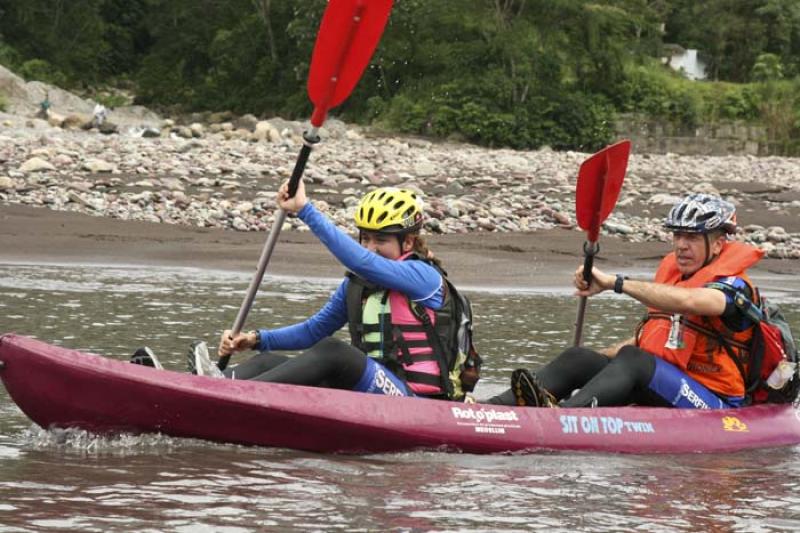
[[702, 213]]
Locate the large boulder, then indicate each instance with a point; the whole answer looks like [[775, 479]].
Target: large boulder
[[135, 115], [60, 100], [76, 121], [246, 122], [23, 99], [13, 87]]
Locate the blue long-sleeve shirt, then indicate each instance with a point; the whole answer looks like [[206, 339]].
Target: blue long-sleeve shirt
[[418, 280]]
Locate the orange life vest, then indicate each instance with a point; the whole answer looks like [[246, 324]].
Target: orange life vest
[[701, 355]]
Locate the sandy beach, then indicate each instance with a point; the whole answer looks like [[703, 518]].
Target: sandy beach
[[537, 260]]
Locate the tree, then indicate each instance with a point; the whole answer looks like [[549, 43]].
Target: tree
[[767, 68], [62, 33]]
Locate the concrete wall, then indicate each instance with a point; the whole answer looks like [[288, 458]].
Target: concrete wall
[[722, 138]]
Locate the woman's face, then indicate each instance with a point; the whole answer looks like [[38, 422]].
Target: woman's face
[[386, 245]]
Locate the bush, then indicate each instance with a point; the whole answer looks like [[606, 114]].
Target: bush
[[112, 101], [485, 114], [659, 92], [779, 105], [41, 70], [3, 102], [406, 115], [9, 57], [582, 122], [376, 106], [739, 103]]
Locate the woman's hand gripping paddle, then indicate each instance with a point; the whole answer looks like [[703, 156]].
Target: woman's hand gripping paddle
[[599, 182], [347, 37]]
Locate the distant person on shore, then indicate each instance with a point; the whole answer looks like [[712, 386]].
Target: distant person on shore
[[405, 319], [683, 353], [99, 115], [44, 107]]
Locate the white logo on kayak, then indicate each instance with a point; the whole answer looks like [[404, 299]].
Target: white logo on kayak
[[483, 415], [386, 385], [692, 396]]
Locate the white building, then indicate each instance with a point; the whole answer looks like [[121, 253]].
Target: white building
[[687, 62]]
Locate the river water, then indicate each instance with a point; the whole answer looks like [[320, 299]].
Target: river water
[[68, 480]]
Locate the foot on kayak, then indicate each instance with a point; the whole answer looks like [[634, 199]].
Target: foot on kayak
[[190, 358], [145, 356], [527, 390], [203, 366]]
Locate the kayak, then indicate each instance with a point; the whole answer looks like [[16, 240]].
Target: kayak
[[61, 388]]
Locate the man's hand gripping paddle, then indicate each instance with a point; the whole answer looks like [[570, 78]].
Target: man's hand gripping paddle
[[347, 37], [599, 182]]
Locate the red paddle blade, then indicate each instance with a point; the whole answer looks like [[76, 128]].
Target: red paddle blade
[[349, 32], [599, 182]]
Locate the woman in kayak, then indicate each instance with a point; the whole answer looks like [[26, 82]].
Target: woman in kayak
[[394, 299]]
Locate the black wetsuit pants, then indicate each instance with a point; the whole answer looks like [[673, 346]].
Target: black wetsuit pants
[[619, 380], [330, 363]]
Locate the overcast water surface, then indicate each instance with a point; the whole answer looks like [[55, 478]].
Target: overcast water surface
[[72, 480]]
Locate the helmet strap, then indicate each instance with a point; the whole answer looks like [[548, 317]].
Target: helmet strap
[[709, 257]]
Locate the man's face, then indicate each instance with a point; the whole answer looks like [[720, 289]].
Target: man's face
[[690, 250]]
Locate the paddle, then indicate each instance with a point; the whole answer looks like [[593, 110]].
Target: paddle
[[599, 182], [347, 37]]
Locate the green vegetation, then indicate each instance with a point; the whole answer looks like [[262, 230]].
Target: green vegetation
[[518, 73], [111, 100], [3, 103]]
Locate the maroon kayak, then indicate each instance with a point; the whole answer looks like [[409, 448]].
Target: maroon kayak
[[58, 387]]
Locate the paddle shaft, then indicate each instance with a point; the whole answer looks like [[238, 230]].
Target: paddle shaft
[[310, 138], [346, 64], [590, 249]]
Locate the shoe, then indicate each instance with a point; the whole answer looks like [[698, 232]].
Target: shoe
[[145, 356], [528, 391], [203, 365], [191, 367]]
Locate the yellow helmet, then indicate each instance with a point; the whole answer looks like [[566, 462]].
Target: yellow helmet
[[390, 210]]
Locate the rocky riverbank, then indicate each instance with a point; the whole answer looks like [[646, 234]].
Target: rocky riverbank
[[224, 174]]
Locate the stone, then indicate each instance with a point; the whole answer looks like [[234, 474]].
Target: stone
[[75, 121], [98, 165], [663, 199], [616, 227], [246, 122], [425, 169], [197, 129], [6, 183], [777, 234], [36, 164]]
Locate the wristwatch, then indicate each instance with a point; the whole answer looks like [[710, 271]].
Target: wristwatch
[[618, 283], [258, 339]]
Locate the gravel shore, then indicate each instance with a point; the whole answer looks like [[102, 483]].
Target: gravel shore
[[198, 183]]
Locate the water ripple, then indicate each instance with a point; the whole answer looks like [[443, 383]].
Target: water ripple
[[71, 479]]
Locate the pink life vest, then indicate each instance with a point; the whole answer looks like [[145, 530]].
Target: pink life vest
[[386, 325]]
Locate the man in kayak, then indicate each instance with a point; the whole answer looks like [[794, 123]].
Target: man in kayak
[[692, 346], [394, 298]]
